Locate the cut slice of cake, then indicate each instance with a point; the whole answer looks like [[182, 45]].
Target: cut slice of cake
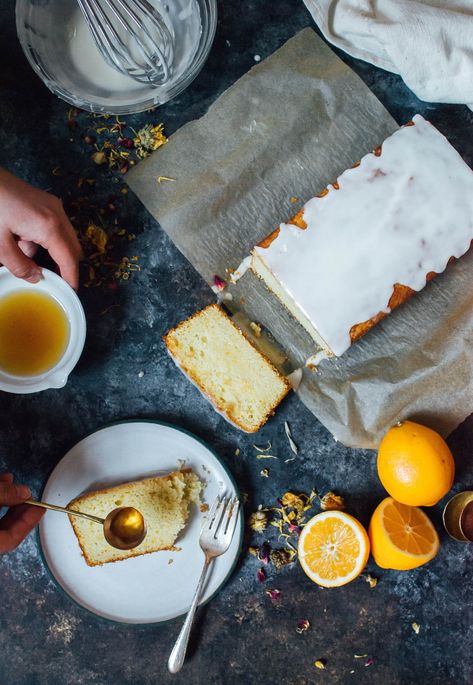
[[238, 379], [163, 501], [369, 241]]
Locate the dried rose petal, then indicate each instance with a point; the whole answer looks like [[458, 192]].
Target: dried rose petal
[[126, 143], [294, 529], [219, 283], [302, 626], [261, 575], [264, 552], [369, 662], [90, 140], [274, 594]]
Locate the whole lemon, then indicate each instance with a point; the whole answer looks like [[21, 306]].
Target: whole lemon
[[415, 464]]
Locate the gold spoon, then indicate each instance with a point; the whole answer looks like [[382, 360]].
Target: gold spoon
[[123, 528]]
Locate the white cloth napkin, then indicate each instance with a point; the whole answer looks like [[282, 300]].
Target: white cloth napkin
[[428, 42]]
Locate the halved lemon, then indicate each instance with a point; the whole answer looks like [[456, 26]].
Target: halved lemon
[[402, 537], [333, 548]]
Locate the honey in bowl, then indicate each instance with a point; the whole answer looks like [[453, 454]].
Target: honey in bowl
[[34, 332]]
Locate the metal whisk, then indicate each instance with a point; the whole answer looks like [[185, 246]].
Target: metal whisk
[[132, 37]]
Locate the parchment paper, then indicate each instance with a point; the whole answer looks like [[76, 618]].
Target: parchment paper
[[288, 127]]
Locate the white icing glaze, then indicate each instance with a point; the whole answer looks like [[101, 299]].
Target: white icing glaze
[[295, 378], [314, 360], [395, 218], [241, 270]]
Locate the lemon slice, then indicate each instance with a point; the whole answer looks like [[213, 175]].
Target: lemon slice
[[333, 548], [402, 537]]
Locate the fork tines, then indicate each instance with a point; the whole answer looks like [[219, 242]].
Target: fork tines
[[223, 516]]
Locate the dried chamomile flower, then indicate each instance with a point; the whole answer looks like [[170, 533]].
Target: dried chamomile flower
[[281, 557], [289, 499], [331, 501], [259, 520]]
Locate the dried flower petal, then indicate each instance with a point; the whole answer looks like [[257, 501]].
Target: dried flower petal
[[369, 662], [281, 557], [274, 594], [292, 444], [289, 499], [261, 575], [263, 449], [331, 501], [264, 552], [320, 663], [302, 626], [237, 452], [265, 456], [99, 157], [416, 628], [218, 284], [259, 520], [254, 551], [264, 473], [360, 656], [97, 237], [371, 580]]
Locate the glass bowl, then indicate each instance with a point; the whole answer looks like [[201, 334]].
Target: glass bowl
[[61, 50]]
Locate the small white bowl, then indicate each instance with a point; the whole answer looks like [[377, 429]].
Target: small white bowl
[[57, 376]]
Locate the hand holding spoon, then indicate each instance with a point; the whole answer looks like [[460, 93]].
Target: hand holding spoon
[[123, 528]]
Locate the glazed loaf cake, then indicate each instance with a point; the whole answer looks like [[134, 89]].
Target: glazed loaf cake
[[369, 241], [164, 502], [232, 374]]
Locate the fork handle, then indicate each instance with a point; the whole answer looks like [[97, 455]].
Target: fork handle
[[178, 654]]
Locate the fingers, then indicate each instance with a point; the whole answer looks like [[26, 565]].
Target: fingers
[[64, 248], [12, 493], [16, 524], [17, 262], [27, 247]]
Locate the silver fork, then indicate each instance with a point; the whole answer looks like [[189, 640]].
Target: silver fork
[[215, 538]]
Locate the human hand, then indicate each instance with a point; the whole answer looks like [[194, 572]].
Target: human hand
[[20, 518], [30, 217]]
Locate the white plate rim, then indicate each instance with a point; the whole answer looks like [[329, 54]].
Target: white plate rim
[[240, 532]]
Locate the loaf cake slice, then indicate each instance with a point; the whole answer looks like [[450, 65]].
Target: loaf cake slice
[[163, 501], [236, 378], [373, 238]]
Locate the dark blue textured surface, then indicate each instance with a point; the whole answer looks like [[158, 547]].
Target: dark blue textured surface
[[241, 635]]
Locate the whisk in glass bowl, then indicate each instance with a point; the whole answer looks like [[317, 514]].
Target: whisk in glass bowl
[[61, 48], [132, 36]]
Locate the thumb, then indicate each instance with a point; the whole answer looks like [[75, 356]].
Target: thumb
[[12, 493], [17, 262]]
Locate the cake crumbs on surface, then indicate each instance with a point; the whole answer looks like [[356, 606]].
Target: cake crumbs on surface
[[204, 507], [256, 328], [371, 580]]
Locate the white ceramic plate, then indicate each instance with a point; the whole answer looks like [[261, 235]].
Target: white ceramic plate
[[145, 589]]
